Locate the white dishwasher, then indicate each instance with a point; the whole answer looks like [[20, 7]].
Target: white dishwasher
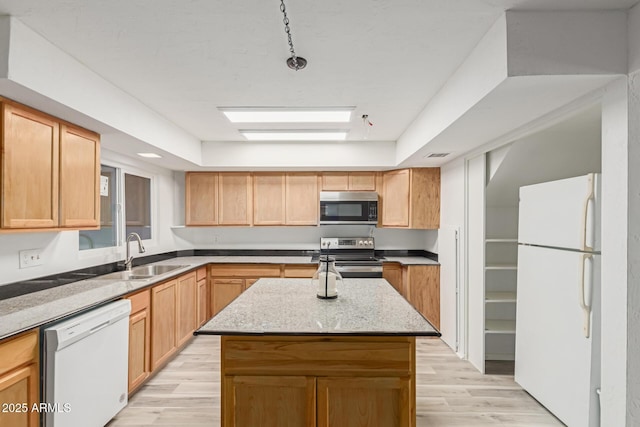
[[86, 367]]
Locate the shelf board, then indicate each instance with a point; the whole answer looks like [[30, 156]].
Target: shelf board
[[500, 297], [492, 326], [501, 267], [501, 240]]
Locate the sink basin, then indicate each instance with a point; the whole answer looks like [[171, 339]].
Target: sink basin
[[143, 272], [155, 270]]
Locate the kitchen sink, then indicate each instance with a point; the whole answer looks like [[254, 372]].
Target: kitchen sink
[[143, 272]]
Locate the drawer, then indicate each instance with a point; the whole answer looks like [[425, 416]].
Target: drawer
[[245, 270], [228, 282], [18, 351], [300, 271], [140, 301]]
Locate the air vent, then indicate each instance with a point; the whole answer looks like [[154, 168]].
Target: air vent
[[437, 155]]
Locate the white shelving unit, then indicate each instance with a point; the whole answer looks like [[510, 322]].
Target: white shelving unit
[[501, 267]]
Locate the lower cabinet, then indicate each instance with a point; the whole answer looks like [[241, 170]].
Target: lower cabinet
[[163, 322], [187, 308], [139, 339], [19, 380], [223, 291], [270, 401], [203, 296], [228, 281], [419, 284]]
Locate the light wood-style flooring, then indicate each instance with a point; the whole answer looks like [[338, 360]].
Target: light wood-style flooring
[[450, 392]]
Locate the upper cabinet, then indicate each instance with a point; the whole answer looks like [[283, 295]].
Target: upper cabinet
[[349, 181], [411, 198], [269, 198], [50, 172], [302, 199], [285, 198], [214, 198]]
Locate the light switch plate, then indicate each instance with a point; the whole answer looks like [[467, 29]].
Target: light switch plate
[[31, 258]]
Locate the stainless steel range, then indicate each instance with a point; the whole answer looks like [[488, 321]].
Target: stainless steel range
[[355, 256]]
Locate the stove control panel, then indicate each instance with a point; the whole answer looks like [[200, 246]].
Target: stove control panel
[[347, 243]]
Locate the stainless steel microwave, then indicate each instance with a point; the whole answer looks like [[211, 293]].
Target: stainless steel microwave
[[348, 207]]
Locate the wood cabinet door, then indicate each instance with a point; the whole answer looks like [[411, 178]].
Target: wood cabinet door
[[362, 181], [163, 322], [203, 301], [335, 181], [270, 401], [224, 291], [234, 198], [371, 402], [302, 199], [268, 198], [425, 198], [392, 273], [201, 194], [187, 308], [30, 162], [424, 291], [139, 348], [20, 386], [395, 198], [79, 177]]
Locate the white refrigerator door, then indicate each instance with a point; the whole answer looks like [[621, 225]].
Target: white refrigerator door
[[554, 360], [562, 214]]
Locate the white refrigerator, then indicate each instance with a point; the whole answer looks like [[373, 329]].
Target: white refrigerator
[[557, 357]]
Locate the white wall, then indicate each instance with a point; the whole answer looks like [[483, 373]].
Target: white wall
[[60, 249], [452, 208]]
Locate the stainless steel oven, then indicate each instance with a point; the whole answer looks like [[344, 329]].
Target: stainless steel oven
[[348, 207], [354, 256]]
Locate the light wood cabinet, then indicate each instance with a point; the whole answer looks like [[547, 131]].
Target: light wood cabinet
[[349, 181], [270, 401], [370, 401], [268, 198], [19, 379], [302, 199], [228, 281], [203, 295], [139, 339], [423, 290], [201, 193], [30, 168], [79, 177], [392, 273], [186, 320], [163, 322], [411, 198], [234, 198], [299, 270], [50, 172]]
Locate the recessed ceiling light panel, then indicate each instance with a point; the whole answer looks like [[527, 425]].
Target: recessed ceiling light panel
[[294, 135], [150, 155], [288, 115]]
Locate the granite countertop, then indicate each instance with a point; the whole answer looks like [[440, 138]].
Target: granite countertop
[[410, 260], [290, 307]]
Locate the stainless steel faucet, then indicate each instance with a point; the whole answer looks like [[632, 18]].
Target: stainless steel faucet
[[129, 258]]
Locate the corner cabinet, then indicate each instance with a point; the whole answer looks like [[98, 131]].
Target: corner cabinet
[[410, 198], [50, 172], [20, 380]]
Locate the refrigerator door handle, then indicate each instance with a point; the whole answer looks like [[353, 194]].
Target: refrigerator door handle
[[586, 306], [585, 217]]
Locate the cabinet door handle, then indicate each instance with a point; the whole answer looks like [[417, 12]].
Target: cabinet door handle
[[586, 308], [585, 216]]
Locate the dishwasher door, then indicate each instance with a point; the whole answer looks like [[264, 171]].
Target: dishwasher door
[[86, 367]]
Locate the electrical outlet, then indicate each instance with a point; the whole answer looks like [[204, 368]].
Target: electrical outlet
[[31, 258]]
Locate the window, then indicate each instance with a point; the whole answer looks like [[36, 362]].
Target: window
[[137, 191], [107, 235], [118, 188]]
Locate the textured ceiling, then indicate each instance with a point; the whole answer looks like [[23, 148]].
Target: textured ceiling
[[184, 59]]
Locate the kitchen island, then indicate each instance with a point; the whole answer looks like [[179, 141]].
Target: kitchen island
[[289, 358]]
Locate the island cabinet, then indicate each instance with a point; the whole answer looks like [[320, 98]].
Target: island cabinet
[[349, 181], [19, 380], [214, 198], [49, 172], [410, 198], [325, 381], [228, 281], [139, 339]]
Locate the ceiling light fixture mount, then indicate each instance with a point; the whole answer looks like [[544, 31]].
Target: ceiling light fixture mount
[[294, 62]]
